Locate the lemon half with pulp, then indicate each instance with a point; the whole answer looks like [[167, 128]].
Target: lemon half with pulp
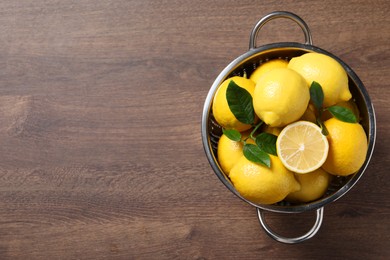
[[302, 147]]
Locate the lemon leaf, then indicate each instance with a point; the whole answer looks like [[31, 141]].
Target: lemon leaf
[[343, 114], [254, 154], [267, 142], [321, 124], [240, 103], [316, 94], [232, 134]]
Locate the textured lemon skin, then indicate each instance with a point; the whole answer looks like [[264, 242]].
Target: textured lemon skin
[[229, 151], [313, 186], [347, 147], [281, 97], [327, 72], [261, 184], [266, 67], [222, 113]]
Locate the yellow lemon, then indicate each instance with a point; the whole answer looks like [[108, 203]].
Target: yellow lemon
[[261, 184], [229, 152], [222, 113], [347, 147], [267, 66], [302, 147], [313, 186], [327, 72], [272, 130], [280, 97]]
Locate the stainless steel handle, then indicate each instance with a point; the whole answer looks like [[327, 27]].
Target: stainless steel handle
[[279, 14], [294, 240]]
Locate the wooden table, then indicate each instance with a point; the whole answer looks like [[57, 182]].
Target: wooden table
[[100, 148]]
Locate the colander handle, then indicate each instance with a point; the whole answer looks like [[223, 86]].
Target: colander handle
[[279, 14], [294, 240]]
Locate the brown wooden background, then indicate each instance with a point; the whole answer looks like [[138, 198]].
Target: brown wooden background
[[100, 147]]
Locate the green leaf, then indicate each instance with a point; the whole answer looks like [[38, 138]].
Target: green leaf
[[316, 95], [255, 154], [324, 131], [232, 134], [343, 114], [240, 103], [267, 142]]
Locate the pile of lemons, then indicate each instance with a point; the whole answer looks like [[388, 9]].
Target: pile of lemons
[[306, 159]]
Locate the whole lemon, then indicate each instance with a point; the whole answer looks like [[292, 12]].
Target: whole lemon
[[267, 66], [313, 186], [347, 147], [281, 97], [261, 184], [327, 72], [229, 151], [222, 113]]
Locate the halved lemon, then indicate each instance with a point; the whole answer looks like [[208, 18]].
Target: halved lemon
[[302, 147]]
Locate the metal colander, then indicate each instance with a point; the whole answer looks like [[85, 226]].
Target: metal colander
[[246, 64]]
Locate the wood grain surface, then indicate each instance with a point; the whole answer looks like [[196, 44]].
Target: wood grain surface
[[100, 147]]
